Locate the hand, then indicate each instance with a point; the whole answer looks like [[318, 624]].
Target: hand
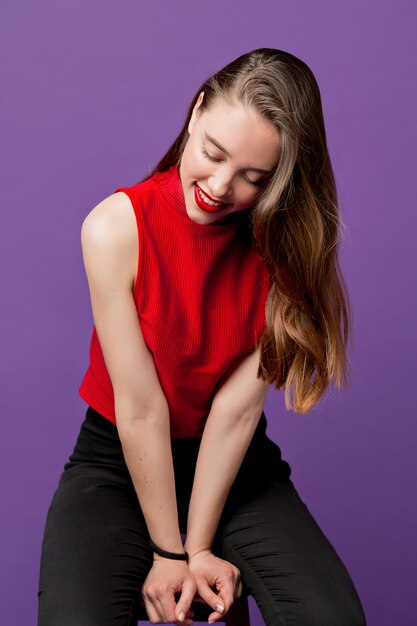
[[166, 578], [211, 571]]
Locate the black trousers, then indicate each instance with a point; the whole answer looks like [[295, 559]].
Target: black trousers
[[95, 555]]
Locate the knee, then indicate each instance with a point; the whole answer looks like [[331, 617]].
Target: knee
[[339, 617], [329, 612], [317, 610], [55, 609]]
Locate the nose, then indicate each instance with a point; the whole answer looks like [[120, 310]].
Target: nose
[[220, 186]]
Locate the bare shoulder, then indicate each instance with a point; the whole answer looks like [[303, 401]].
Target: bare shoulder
[[109, 236], [112, 216]]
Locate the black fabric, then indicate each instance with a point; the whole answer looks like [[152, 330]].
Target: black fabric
[[95, 552]]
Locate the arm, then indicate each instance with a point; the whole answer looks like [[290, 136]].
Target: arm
[[232, 421], [110, 252]]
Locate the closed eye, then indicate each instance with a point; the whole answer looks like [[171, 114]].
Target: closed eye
[[258, 183]]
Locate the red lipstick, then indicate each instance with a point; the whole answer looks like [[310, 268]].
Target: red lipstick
[[203, 205]]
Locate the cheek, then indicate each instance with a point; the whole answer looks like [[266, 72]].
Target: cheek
[[199, 158], [193, 159], [247, 196], [251, 199]]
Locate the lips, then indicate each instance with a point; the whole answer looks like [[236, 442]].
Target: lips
[[209, 208]]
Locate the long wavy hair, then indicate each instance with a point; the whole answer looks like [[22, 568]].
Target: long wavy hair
[[296, 225]]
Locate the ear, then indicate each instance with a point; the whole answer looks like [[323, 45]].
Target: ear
[[196, 112]]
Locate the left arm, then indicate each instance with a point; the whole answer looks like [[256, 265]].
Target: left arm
[[231, 423]]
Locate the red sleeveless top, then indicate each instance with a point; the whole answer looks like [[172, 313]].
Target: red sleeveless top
[[200, 295]]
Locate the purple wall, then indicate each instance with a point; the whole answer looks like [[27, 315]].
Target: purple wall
[[92, 95]]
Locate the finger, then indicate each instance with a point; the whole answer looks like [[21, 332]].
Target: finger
[[184, 602], [225, 593], [151, 611], [231, 588], [188, 621], [167, 607], [216, 615], [209, 596], [226, 596]]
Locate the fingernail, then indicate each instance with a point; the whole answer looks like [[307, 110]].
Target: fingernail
[[219, 608], [182, 615]]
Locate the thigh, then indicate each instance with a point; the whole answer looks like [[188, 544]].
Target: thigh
[[95, 555], [286, 562]]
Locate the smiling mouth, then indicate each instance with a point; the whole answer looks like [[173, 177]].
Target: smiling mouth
[[205, 203]]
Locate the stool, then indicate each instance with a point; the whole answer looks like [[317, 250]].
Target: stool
[[238, 614]]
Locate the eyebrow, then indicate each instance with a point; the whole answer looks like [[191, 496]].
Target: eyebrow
[[216, 143]]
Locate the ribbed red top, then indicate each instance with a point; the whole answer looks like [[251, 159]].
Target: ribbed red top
[[200, 295]]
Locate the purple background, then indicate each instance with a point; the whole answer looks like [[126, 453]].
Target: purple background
[[93, 93]]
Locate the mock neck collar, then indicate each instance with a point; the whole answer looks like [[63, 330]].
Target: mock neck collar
[[170, 185]]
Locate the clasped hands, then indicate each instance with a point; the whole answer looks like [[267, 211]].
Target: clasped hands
[[193, 581]]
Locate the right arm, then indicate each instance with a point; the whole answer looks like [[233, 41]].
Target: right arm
[[110, 252]]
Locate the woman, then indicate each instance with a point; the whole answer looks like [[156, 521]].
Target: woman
[[223, 279]]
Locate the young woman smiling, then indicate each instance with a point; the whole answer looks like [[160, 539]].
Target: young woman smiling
[[210, 279]]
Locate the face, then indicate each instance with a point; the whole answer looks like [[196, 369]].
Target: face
[[219, 168]]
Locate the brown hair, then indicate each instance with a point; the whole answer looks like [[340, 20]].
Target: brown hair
[[296, 224]]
